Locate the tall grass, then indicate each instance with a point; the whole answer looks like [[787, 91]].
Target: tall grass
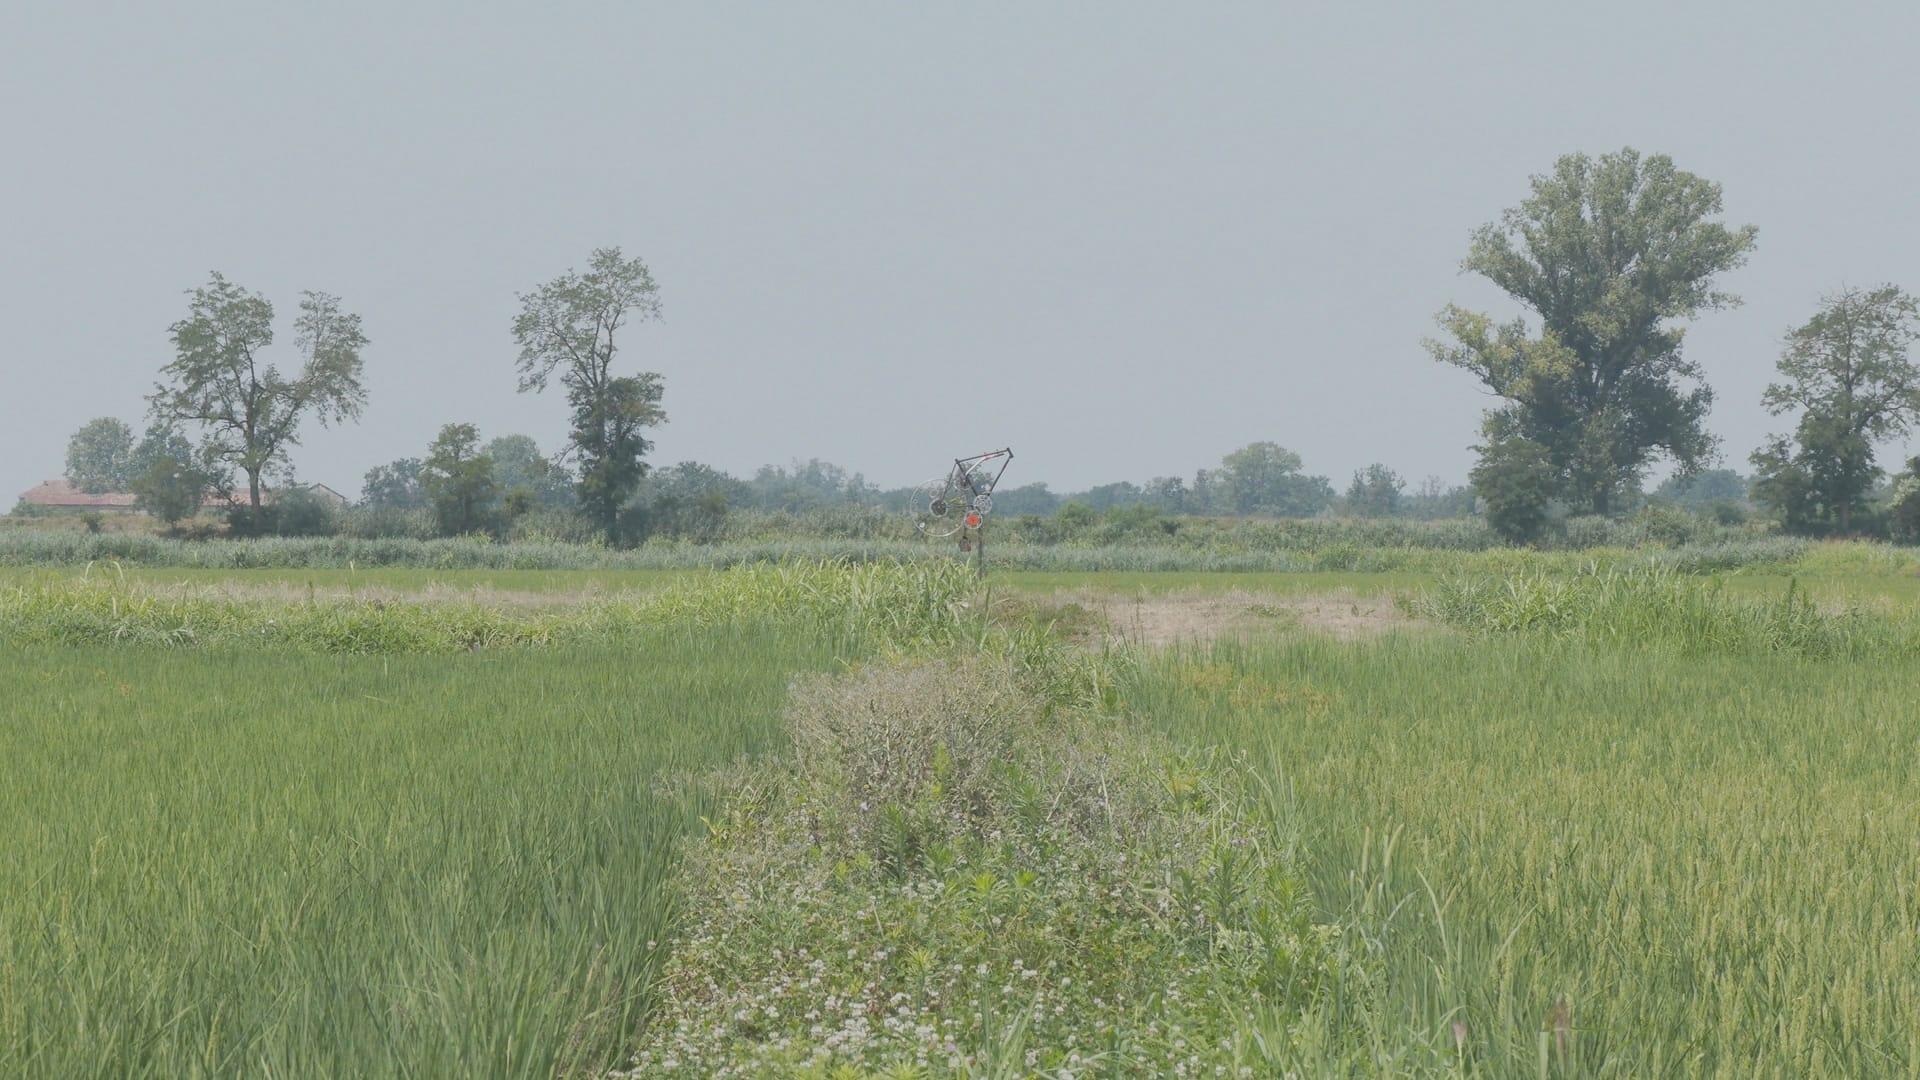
[[298, 865], [876, 604], [1660, 609], [1281, 547], [1589, 861]]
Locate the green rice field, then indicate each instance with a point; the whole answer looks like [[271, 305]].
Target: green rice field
[[420, 822], [282, 865]]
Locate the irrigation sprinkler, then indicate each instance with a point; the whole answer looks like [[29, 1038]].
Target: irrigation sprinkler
[[957, 504]]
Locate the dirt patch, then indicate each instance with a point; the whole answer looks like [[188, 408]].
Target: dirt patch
[[1170, 618]]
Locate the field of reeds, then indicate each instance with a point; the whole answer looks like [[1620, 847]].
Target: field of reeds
[[1627, 813], [1233, 547]]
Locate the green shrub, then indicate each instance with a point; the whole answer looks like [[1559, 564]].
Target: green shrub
[[948, 878], [300, 512], [1517, 482]]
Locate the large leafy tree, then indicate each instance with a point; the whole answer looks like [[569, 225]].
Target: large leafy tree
[[1849, 376], [1265, 478], [170, 478], [100, 456], [393, 486], [1375, 492], [247, 411], [520, 469], [457, 479], [1611, 255], [569, 328]]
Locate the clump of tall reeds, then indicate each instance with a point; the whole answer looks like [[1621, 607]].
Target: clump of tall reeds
[[1657, 607]]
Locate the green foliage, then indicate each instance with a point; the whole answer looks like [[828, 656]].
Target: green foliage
[[1375, 492], [1657, 608], [1265, 478], [171, 489], [248, 413], [393, 486], [952, 879], [553, 540], [1903, 514], [100, 456], [569, 327], [606, 433], [806, 486], [520, 467], [1704, 489], [1611, 255], [1719, 494], [1517, 479], [457, 480], [1075, 518], [688, 501], [881, 605], [299, 511], [1853, 384]]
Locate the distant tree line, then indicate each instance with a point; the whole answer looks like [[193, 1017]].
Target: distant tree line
[[1609, 258]]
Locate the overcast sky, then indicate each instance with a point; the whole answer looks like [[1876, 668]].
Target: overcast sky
[[1123, 239]]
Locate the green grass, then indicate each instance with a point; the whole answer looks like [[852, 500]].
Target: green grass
[[999, 888], [289, 865], [1270, 547], [1623, 824], [1597, 861], [1659, 609], [378, 579], [876, 604]]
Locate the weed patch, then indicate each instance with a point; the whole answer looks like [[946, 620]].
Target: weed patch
[[949, 878]]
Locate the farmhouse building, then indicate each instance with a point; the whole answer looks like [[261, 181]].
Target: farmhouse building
[[60, 494]]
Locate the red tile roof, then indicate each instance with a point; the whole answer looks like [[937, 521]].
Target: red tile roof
[[62, 493]]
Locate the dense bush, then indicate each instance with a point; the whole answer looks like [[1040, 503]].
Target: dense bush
[[949, 879]]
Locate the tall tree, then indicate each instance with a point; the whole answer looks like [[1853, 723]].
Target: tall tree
[[248, 413], [1375, 492], [100, 456], [171, 486], [1265, 478], [162, 441], [1611, 254], [1853, 383], [520, 467], [457, 478], [393, 486], [569, 328]]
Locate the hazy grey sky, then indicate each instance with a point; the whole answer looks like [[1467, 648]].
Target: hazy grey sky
[[1123, 239]]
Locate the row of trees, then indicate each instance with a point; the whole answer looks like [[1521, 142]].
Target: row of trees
[[1612, 256], [225, 414]]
